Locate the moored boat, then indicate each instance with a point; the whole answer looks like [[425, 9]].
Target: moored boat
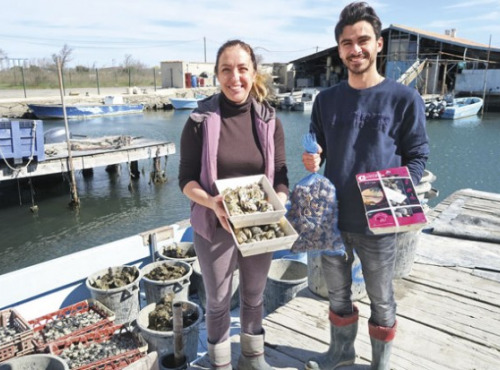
[[112, 106], [461, 108], [186, 103], [306, 101]]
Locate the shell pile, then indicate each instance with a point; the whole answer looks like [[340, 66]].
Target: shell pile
[[62, 326], [166, 272], [314, 215], [116, 279], [8, 333], [246, 199], [175, 251], [79, 354], [161, 318], [258, 233]]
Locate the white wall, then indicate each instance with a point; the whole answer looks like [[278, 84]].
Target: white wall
[[472, 81]]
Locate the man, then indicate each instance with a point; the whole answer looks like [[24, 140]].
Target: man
[[364, 124]]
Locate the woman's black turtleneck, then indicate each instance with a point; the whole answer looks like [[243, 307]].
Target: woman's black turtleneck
[[239, 152]]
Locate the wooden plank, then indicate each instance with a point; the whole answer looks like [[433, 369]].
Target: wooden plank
[[90, 159], [417, 346], [469, 214], [460, 282], [448, 251], [273, 357], [455, 314]]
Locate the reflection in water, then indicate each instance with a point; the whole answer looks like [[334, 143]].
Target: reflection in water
[[464, 154]]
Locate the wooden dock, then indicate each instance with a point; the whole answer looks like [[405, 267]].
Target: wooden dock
[[87, 154], [448, 307]]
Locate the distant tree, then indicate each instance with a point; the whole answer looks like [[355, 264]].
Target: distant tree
[[64, 56], [130, 63], [81, 69]]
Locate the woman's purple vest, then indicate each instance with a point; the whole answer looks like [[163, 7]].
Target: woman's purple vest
[[203, 219]]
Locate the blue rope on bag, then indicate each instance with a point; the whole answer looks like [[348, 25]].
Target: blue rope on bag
[[309, 143]]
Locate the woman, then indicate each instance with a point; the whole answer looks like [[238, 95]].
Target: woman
[[230, 134]]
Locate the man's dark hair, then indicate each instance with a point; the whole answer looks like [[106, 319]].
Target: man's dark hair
[[355, 12]]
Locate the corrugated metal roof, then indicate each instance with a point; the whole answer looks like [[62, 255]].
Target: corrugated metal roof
[[443, 37]]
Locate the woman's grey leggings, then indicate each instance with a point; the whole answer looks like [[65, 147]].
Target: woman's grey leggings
[[218, 259]]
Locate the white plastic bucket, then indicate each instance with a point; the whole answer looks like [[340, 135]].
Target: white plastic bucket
[[285, 279], [316, 278], [163, 341], [123, 301], [156, 289], [36, 361]]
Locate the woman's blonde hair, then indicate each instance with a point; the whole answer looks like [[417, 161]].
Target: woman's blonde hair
[[259, 88]]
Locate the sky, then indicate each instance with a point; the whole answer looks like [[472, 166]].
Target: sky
[[105, 33]]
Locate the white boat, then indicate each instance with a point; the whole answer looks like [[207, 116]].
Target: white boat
[[462, 107], [306, 101], [186, 103]]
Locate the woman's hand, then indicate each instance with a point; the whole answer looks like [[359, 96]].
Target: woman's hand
[[312, 161], [220, 212]]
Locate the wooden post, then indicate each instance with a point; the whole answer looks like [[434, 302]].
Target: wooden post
[[445, 72], [75, 202], [178, 340], [485, 78]]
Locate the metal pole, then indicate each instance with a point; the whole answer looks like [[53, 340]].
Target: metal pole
[[154, 76], [75, 202], [97, 80], [24, 83]]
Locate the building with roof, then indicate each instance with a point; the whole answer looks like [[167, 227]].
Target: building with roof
[[433, 63]]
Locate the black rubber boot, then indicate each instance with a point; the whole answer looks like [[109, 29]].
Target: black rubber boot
[[343, 330], [381, 338]]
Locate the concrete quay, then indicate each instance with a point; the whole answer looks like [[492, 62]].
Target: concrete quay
[[14, 103]]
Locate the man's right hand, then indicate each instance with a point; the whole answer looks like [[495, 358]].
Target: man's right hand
[[312, 160]]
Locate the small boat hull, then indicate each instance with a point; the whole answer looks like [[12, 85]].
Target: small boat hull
[[55, 111], [462, 107], [185, 103]]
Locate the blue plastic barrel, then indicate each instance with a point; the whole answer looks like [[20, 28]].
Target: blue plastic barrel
[[194, 81]]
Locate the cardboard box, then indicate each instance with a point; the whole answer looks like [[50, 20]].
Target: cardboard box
[[272, 245], [390, 200], [257, 218]]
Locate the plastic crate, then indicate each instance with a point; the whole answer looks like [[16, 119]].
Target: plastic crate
[[103, 335], [22, 343], [38, 324], [22, 139]]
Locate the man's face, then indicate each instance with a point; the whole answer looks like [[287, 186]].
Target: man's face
[[358, 47]]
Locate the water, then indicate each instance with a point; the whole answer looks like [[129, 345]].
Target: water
[[464, 154]]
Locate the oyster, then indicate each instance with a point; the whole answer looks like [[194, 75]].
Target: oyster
[[258, 233], [246, 199]]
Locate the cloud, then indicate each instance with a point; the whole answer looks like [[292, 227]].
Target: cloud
[[101, 33]]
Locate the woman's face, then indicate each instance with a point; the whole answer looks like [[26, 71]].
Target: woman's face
[[236, 74]]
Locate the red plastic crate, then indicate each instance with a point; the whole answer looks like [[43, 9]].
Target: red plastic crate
[[38, 324], [22, 343], [102, 335]]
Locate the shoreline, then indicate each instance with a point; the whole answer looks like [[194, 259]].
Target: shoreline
[[13, 104]]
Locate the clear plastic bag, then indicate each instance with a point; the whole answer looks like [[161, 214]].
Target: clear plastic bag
[[313, 211]]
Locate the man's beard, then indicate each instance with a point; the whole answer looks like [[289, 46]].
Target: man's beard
[[357, 71]]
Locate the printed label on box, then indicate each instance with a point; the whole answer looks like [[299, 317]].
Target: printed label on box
[[390, 200]]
